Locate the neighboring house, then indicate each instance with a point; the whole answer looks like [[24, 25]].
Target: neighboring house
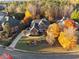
[[2, 7]]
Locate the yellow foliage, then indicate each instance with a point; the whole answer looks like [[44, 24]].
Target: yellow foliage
[[53, 31], [28, 14], [69, 23], [68, 38]]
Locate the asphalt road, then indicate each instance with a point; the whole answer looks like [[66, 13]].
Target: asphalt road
[[22, 55], [1, 50]]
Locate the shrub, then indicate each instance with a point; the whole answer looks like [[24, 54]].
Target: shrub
[[75, 15]]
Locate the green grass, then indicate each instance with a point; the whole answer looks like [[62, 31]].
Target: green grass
[[4, 43], [23, 45]]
